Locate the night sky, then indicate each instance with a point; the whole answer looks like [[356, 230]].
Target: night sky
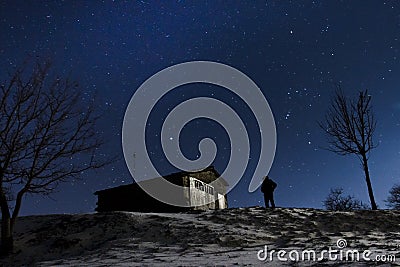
[[295, 51]]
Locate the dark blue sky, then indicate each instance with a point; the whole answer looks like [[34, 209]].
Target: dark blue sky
[[293, 50]]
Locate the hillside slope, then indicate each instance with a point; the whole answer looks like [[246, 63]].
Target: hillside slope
[[213, 238]]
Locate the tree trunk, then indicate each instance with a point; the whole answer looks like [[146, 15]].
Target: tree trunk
[[7, 242], [369, 185]]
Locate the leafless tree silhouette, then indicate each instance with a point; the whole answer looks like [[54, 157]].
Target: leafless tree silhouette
[[350, 125], [44, 126]]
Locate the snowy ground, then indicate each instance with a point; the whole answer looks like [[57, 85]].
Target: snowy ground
[[231, 237]]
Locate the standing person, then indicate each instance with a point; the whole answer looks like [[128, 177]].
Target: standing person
[[268, 186]]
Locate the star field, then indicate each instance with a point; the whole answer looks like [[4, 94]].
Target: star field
[[294, 50]]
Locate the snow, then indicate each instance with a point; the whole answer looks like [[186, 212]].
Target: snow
[[230, 237]]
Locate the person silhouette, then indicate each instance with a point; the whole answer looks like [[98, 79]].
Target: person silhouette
[[268, 186]]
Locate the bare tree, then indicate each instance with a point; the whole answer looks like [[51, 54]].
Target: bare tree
[[44, 126], [335, 201], [393, 201], [350, 125]]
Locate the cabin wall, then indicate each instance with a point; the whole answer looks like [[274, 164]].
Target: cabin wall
[[132, 199], [221, 202]]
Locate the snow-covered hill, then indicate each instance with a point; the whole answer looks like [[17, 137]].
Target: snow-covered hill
[[213, 238]]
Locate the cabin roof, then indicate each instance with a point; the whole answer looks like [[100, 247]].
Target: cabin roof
[[173, 178]]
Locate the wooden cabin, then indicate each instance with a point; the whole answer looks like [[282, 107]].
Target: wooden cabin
[[196, 188]]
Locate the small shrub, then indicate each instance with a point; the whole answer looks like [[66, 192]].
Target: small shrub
[[335, 201], [393, 200]]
